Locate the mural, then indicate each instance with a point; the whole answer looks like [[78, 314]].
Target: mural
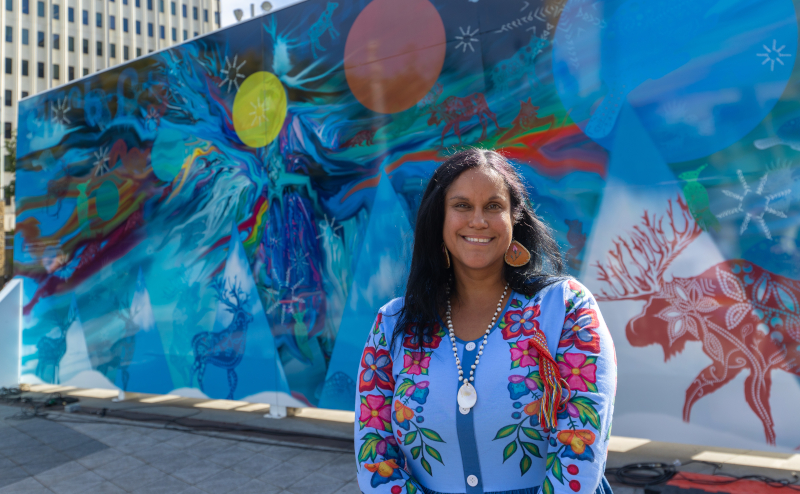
[[223, 218]]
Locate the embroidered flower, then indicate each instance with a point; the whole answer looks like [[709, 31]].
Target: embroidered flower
[[520, 386], [520, 322], [375, 412], [402, 415], [533, 408], [430, 340], [416, 363], [579, 371], [377, 370], [384, 472], [417, 391], [578, 330], [523, 354], [377, 328], [577, 442]]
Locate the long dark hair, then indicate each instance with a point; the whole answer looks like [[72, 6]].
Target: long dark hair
[[428, 278]]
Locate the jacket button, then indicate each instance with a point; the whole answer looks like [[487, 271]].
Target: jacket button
[[472, 480], [470, 346]]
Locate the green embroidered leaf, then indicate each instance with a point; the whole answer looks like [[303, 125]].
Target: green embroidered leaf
[[368, 449], [434, 453], [591, 386], [506, 431], [547, 487], [560, 357], [516, 304], [536, 378], [509, 450], [550, 459], [426, 465], [432, 435], [515, 363], [586, 411], [557, 470], [532, 433], [531, 448], [410, 437], [415, 451], [403, 387], [410, 487], [590, 360], [382, 341], [524, 464]]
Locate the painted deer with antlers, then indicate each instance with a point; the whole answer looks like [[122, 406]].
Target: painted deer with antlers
[[746, 317], [224, 349]]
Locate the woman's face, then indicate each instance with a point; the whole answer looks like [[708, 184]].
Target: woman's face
[[477, 220]]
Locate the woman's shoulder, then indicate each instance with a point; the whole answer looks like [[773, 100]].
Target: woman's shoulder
[[392, 308], [567, 287]]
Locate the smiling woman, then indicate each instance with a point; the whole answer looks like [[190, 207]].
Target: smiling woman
[[526, 344]]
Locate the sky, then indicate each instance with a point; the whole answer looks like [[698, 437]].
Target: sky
[[228, 6]]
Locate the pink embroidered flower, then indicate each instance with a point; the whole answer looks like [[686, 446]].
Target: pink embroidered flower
[[579, 371], [376, 412], [523, 354], [416, 363]]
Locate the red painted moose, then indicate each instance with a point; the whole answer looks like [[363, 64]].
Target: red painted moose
[[747, 318]]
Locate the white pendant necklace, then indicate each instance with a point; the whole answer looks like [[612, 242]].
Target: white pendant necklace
[[467, 397]]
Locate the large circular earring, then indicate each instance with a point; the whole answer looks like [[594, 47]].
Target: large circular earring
[[446, 256], [517, 255]]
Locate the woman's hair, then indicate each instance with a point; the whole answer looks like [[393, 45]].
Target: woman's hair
[[426, 290]]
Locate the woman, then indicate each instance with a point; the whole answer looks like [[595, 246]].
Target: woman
[[490, 375]]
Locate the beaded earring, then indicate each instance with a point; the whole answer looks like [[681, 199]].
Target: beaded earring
[[446, 256], [517, 255]]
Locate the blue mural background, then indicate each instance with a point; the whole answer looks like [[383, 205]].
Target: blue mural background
[[224, 218]]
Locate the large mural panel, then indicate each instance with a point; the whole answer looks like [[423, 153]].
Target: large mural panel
[[223, 219]]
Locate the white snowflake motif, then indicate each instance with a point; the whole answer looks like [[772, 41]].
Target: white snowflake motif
[[101, 164], [259, 112], [231, 73], [773, 55], [59, 112], [756, 207], [467, 38]]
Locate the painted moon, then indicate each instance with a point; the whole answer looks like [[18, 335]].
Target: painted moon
[[259, 109]]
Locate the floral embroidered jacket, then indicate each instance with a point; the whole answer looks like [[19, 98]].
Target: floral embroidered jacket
[[411, 438]]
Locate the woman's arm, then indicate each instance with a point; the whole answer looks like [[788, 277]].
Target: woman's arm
[[380, 461], [587, 362]]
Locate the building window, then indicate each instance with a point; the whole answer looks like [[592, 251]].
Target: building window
[[216, 18], [24, 67], [40, 70], [71, 72], [174, 34], [125, 52], [124, 2], [85, 71], [112, 22], [40, 39], [56, 11], [185, 34], [24, 6], [194, 13], [205, 15], [112, 50], [70, 14], [10, 5], [138, 4], [85, 17], [85, 46], [55, 71], [9, 34], [24, 94], [56, 42], [9, 95], [125, 25], [195, 34], [99, 48], [138, 27], [40, 9], [9, 64], [7, 134], [71, 43], [172, 8], [161, 32], [183, 10], [138, 52], [161, 6], [149, 4], [98, 19], [150, 29], [24, 36]]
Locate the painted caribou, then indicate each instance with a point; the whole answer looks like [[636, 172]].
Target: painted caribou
[[746, 317], [454, 111]]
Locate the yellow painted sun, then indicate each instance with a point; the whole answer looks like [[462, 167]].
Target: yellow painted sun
[[259, 109]]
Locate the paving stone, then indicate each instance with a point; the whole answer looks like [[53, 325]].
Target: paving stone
[[349, 488], [211, 446], [27, 486], [316, 482], [258, 487], [62, 472], [100, 458], [162, 435], [342, 467], [186, 440], [78, 484], [118, 467], [286, 475], [282, 453], [256, 465], [117, 438], [173, 463], [230, 456], [156, 452], [167, 485], [104, 488], [136, 443], [197, 472], [223, 482], [84, 449], [139, 477], [34, 452], [320, 458], [11, 475]]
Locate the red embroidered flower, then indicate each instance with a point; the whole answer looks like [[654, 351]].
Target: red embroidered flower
[[430, 340], [520, 322], [578, 330], [376, 412], [523, 354], [377, 371], [579, 371], [416, 363]]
